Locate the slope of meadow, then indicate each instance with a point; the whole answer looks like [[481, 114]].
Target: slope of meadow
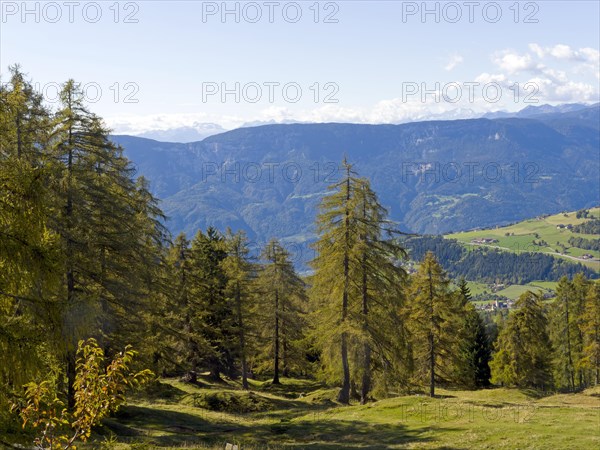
[[539, 235], [301, 414]]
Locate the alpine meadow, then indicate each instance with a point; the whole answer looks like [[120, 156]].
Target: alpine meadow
[[193, 257]]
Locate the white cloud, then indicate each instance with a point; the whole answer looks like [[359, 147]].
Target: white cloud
[[538, 50], [561, 51], [555, 74], [512, 62], [455, 60]]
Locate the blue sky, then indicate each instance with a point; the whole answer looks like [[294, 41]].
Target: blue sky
[[370, 65]]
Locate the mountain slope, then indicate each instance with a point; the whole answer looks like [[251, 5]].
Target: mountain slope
[[434, 177]]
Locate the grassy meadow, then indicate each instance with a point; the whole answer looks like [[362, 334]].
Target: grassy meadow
[[520, 237], [301, 414]]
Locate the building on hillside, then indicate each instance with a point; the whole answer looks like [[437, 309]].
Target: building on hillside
[[484, 241]]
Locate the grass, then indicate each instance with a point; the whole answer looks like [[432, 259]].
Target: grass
[[302, 414], [511, 291], [520, 237]]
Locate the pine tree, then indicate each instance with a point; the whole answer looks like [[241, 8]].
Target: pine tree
[[184, 335], [433, 317], [280, 307], [29, 250], [381, 289], [104, 220], [581, 286], [331, 284], [523, 351], [474, 349], [216, 312], [239, 272], [356, 279], [565, 335], [80, 238], [591, 333]]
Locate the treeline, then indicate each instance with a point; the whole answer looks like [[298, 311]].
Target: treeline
[[84, 254], [551, 346], [491, 265], [588, 227], [586, 244], [81, 240]]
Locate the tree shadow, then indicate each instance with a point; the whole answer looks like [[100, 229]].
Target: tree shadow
[[169, 428]]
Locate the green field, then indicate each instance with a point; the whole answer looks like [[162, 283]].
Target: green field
[[520, 237], [300, 414]]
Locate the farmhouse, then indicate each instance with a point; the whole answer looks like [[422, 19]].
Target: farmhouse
[[484, 241]]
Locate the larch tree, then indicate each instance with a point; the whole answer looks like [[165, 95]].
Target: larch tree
[[433, 322], [240, 273], [523, 352], [591, 333], [29, 250], [357, 282], [104, 219], [280, 307], [216, 312], [565, 335]]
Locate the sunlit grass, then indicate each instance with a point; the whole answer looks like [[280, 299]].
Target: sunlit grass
[[303, 414]]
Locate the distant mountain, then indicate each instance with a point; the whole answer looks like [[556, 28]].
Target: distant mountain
[[532, 111], [194, 133], [199, 131], [434, 177]]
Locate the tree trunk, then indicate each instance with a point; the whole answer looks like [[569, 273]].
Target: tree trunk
[[70, 280], [571, 367], [71, 379], [344, 394], [276, 362], [431, 366], [431, 341], [284, 344], [366, 378], [238, 301]]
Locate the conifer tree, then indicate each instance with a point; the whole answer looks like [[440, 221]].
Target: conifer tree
[[523, 352], [29, 250], [356, 280], [474, 349], [591, 333], [215, 312], [103, 220], [280, 308], [433, 322], [239, 272], [565, 335]]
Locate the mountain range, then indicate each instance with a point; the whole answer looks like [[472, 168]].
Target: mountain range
[[200, 130], [432, 176]]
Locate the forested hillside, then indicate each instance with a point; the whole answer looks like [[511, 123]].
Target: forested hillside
[[433, 177], [488, 264]]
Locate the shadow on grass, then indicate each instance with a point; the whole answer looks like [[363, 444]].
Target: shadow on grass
[[291, 388], [169, 428]]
